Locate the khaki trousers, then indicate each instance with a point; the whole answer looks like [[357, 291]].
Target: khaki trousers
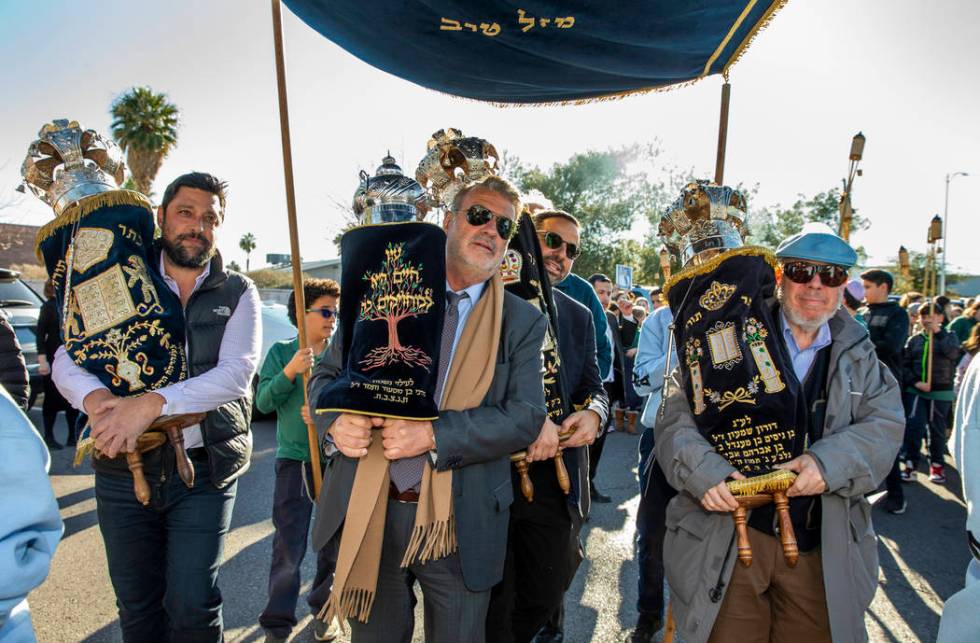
[[769, 602]]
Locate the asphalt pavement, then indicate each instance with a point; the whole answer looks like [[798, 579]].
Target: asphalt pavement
[[923, 557]]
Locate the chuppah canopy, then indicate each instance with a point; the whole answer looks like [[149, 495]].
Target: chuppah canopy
[[535, 51]]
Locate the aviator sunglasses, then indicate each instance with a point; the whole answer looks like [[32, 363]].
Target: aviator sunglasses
[[801, 272], [477, 216], [554, 241], [326, 313]]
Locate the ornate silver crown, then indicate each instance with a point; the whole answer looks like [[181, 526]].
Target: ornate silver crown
[[705, 220], [66, 164], [452, 162], [389, 196]]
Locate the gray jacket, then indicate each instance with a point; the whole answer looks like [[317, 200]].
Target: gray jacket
[[863, 430], [475, 443]]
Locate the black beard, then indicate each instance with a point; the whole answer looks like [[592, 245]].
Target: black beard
[[180, 256]]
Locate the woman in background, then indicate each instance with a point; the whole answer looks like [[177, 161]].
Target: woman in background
[[49, 338]]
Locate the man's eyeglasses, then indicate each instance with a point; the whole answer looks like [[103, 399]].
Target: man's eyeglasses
[[326, 313], [801, 272], [554, 241], [477, 216]]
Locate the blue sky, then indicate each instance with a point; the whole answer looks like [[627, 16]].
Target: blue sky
[[898, 70]]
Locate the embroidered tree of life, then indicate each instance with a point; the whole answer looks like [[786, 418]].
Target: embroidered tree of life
[[396, 293]]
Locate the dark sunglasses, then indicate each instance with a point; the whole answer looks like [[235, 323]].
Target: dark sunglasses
[[477, 216], [326, 313], [801, 272], [554, 241]]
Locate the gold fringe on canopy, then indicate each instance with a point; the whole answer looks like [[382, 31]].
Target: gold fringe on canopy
[[693, 271], [762, 24], [77, 211], [778, 480]]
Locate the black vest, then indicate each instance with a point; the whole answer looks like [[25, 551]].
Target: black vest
[[225, 430], [805, 512]]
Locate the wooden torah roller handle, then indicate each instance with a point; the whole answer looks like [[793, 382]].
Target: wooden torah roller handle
[[740, 516], [787, 536], [172, 426], [134, 460], [562, 472], [521, 464]]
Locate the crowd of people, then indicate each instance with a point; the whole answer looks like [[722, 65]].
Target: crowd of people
[[435, 505]]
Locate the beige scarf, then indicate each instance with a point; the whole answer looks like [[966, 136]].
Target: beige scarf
[[434, 534]]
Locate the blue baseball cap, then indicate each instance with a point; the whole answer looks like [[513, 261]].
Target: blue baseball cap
[[817, 242]]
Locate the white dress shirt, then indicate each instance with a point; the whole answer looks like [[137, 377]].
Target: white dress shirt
[[229, 380]]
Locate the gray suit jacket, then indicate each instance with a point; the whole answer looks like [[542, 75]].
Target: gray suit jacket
[[475, 443]]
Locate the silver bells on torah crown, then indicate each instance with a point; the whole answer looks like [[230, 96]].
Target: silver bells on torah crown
[[452, 162], [705, 220], [389, 196], [66, 164]]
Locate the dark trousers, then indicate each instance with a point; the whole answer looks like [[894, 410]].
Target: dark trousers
[[292, 508], [923, 414], [164, 557], [537, 568], [452, 613], [53, 404], [651, 526]]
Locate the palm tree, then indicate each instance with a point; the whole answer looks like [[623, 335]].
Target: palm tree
[[247, 243], [144, 124]]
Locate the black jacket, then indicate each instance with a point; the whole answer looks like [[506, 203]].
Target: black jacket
[[13, 369], [576, 348], [48, 330], [888, 327], [945, 356]]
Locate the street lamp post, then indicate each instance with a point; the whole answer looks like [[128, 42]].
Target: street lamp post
[[942, 268], [846, 211]]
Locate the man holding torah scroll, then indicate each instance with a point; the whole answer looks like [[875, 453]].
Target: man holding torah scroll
[[543, 550], [440, 516], [838, 448], [164, 556]]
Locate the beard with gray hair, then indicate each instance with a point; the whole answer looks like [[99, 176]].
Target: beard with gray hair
[[798, 319]]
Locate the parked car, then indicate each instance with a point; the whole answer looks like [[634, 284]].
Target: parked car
[[275, 328], [21, 306]]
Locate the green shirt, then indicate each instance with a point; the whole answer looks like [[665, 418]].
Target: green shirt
[[277, 393], [961, 327]]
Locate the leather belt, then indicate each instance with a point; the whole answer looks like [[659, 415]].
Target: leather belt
[[409, 495]]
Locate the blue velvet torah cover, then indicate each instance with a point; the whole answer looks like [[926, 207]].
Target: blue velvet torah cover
[[392, 308], [120, 320], [539, 51], [735, 368]]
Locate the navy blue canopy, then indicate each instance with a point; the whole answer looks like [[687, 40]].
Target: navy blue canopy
[[540, 52]]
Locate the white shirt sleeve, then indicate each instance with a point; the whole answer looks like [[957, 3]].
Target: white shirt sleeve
[[73, 381], [231, 378]]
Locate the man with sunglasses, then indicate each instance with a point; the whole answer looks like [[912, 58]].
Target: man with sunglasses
[[543, 547], [474, 443], [854, 426]]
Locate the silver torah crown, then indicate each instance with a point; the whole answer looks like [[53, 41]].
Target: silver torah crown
[[66, 164], [389, 196], [704, 220], [452, 162]]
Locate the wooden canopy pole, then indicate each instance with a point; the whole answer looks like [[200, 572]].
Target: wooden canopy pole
[[726, 95], [287, 166]]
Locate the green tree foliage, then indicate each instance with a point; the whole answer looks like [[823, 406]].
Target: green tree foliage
[[770, 225], [144, 124], [247, 244], [608, 192]]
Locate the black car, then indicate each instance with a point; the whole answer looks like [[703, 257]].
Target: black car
[[21, 306]]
